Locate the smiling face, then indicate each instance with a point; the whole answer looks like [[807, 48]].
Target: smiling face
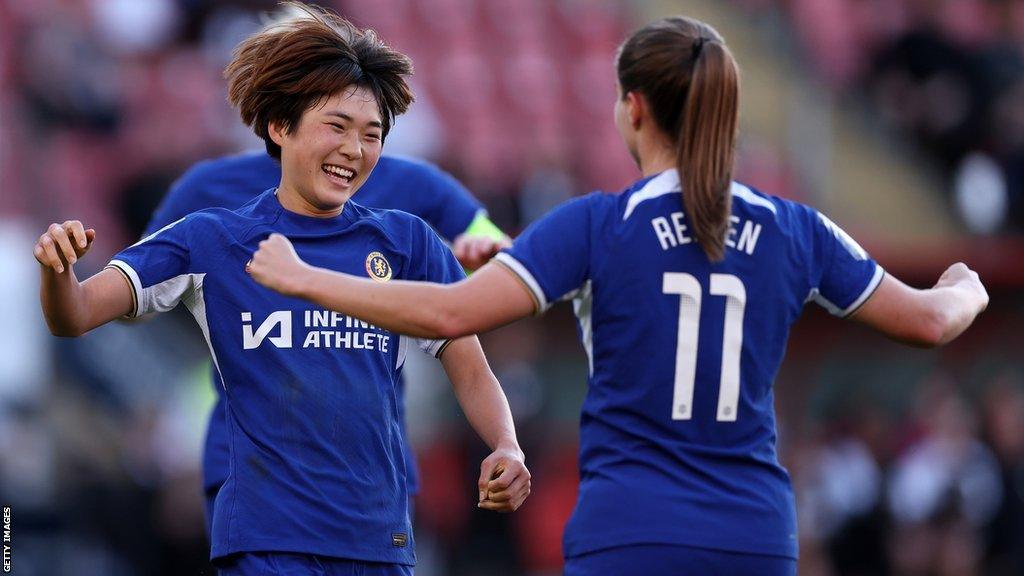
[[330, 153]]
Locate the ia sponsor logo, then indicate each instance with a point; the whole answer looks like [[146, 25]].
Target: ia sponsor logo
[[280, 320]]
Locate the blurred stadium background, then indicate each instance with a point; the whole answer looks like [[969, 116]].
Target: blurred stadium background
[[902, 119]]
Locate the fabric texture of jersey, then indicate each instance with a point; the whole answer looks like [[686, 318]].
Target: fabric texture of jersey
[[677, 440], [316, 455], [412, 186]]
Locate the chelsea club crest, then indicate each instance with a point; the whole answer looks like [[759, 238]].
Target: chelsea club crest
[[377, 267]]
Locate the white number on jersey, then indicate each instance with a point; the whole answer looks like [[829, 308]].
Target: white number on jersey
[[689, 291]]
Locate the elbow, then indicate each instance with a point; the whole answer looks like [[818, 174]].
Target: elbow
[[64, 331], [451, 324]]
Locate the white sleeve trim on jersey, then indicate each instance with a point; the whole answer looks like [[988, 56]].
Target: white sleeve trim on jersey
[[825, 303], [876, 279], [134, 281], [432, 347], [529, 281], [158, 297]]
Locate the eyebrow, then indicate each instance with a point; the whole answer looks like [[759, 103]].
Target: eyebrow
[[343, 116]]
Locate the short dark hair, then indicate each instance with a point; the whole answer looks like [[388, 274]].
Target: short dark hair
[[294, 64]]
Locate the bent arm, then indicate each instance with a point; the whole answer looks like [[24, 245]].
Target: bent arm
[[72, 308], [926, 318], [479, 393], [490, 298], [504, 481]]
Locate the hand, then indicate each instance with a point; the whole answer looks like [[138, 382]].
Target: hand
[[276, 266], [504, 480], [473, 251], [63, 244], [960, 275]]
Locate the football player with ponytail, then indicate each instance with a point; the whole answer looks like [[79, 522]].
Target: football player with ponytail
[[685, 286]]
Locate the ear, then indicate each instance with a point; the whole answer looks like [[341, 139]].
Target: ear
[[277, 133], [635, 109]]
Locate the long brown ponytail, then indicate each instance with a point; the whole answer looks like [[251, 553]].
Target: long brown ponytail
[[691, 81]]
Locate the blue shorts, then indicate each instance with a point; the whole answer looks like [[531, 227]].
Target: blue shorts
[[670, 560], [289, 564]]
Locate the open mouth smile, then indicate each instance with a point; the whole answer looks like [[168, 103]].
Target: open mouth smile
[[338, 173]]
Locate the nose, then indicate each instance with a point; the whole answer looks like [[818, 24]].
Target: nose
[[351, 146]]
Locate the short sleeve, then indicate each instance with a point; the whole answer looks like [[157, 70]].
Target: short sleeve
[[432, 261], [552, 256], [843, 274], [157, 268]]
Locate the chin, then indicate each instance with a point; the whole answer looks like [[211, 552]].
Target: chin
[[331, 200]]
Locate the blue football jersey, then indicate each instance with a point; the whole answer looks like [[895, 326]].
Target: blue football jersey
[[312, 420], [413, 186], [677, 439]]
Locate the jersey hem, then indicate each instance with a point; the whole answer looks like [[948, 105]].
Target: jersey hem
[[621, 540], [274, 546], [442, 348]]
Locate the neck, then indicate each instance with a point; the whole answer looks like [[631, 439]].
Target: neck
[[655, 154], [292, 201]]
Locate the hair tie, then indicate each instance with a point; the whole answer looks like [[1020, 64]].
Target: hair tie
[[698, 46]]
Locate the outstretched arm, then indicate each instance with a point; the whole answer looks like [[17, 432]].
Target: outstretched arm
[[927, 318], [489, 298], [504, 481], [72, 308]]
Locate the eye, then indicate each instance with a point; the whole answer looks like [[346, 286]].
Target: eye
[[337, 127], [374, 137]]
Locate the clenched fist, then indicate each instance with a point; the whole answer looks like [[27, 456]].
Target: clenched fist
[[276, 266]]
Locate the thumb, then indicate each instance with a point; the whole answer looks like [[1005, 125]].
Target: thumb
[[489, 470]]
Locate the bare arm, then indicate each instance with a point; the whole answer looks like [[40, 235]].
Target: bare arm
[[504, 481], [927, 318], [72, 308], [491, 297]]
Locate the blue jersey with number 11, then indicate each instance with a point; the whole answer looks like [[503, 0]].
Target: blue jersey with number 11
[[677, 440]]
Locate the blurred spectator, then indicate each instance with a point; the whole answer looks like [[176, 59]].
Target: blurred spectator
[[943, 490], [1003, 418]]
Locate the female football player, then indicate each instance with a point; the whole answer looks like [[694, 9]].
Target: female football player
[[685, 286], [316, 478]]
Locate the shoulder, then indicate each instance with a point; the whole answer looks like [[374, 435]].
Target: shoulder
[[247, 163], [409, 166], [786, 213], [387, 219], [418, 171]]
